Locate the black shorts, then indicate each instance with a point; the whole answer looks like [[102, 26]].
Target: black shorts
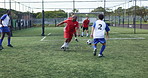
[[85, 28]]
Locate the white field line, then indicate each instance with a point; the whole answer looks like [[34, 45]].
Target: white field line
[[126, 38], [140, 38], [44, 37]]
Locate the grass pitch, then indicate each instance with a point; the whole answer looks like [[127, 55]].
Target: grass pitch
[[35, 57]]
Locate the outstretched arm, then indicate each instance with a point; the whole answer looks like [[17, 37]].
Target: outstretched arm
[[107, 31], [107, 34], [60, 23]]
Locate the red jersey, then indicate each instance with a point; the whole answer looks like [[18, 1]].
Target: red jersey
[[85, 23], [70, 25], [70, 18]]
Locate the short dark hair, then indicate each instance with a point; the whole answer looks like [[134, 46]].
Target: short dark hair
[[7, 11], [101, 16]]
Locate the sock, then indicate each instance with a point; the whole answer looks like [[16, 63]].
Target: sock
[[9, 41], [87, 34], [82, 33], [64, 44], [67, 44], [1, 41], [94, 46], [102, 49]]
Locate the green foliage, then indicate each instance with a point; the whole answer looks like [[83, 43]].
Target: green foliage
[[99, 9], [52, 14]]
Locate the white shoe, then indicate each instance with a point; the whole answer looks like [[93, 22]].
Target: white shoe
[[100, 55]]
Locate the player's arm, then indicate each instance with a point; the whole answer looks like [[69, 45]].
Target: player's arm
[[77, 29], [92, 29], [107, 31], [9, 25], [60, 23], [92, 32], [2, 18], [1, 23]]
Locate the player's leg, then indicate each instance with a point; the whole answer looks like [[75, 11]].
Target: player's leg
[[87, 32], [83, 32], [95, 49], [1, 40], [75, 34], [95, 46], [103, 42], [68, 37], [9, 39]]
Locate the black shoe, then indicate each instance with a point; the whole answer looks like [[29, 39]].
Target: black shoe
[[95, 50], [10, 45], [76, 40]]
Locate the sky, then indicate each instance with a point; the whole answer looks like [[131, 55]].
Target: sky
[[67, 5]]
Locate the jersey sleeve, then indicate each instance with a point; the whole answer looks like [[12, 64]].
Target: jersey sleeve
[[107, 28], [65, 21], [3, 17], [94, 24]]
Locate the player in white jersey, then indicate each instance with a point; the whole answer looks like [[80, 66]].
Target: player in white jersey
[[4, 22], [98, 32]]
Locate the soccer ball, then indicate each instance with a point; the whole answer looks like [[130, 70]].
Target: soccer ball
[[89, 42]]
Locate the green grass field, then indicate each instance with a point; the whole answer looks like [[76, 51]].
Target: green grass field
[[126, 55]]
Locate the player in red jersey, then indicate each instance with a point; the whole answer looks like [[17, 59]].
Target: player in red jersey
[[85, 26], [69, 30], [75, 33]]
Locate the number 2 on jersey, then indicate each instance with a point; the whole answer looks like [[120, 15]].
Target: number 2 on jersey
[[100, 27]]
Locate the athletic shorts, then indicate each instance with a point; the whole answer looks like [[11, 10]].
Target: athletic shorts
[[85, 28], [4, 29], [68, 35], [101, 40]]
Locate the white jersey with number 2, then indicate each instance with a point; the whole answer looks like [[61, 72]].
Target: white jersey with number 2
[[99, 29]]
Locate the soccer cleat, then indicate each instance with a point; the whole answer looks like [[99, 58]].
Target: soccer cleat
[[94, 52], [10, 45], [76, 40], [100, 55], [64, 48]]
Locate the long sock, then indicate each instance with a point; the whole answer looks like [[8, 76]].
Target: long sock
[[94, 46], [87, 34], [82, 33], [64, 44], [102, 49], [1, 41], [67, 44], [9, 40]]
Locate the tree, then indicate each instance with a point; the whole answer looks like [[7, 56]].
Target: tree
[[75, 10], [140, 11], [99, 9], [52, 14]]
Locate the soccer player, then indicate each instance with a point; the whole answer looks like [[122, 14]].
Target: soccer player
[[75, 33], [85, 26], [4, 28], [69, 30], [98, 31]]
